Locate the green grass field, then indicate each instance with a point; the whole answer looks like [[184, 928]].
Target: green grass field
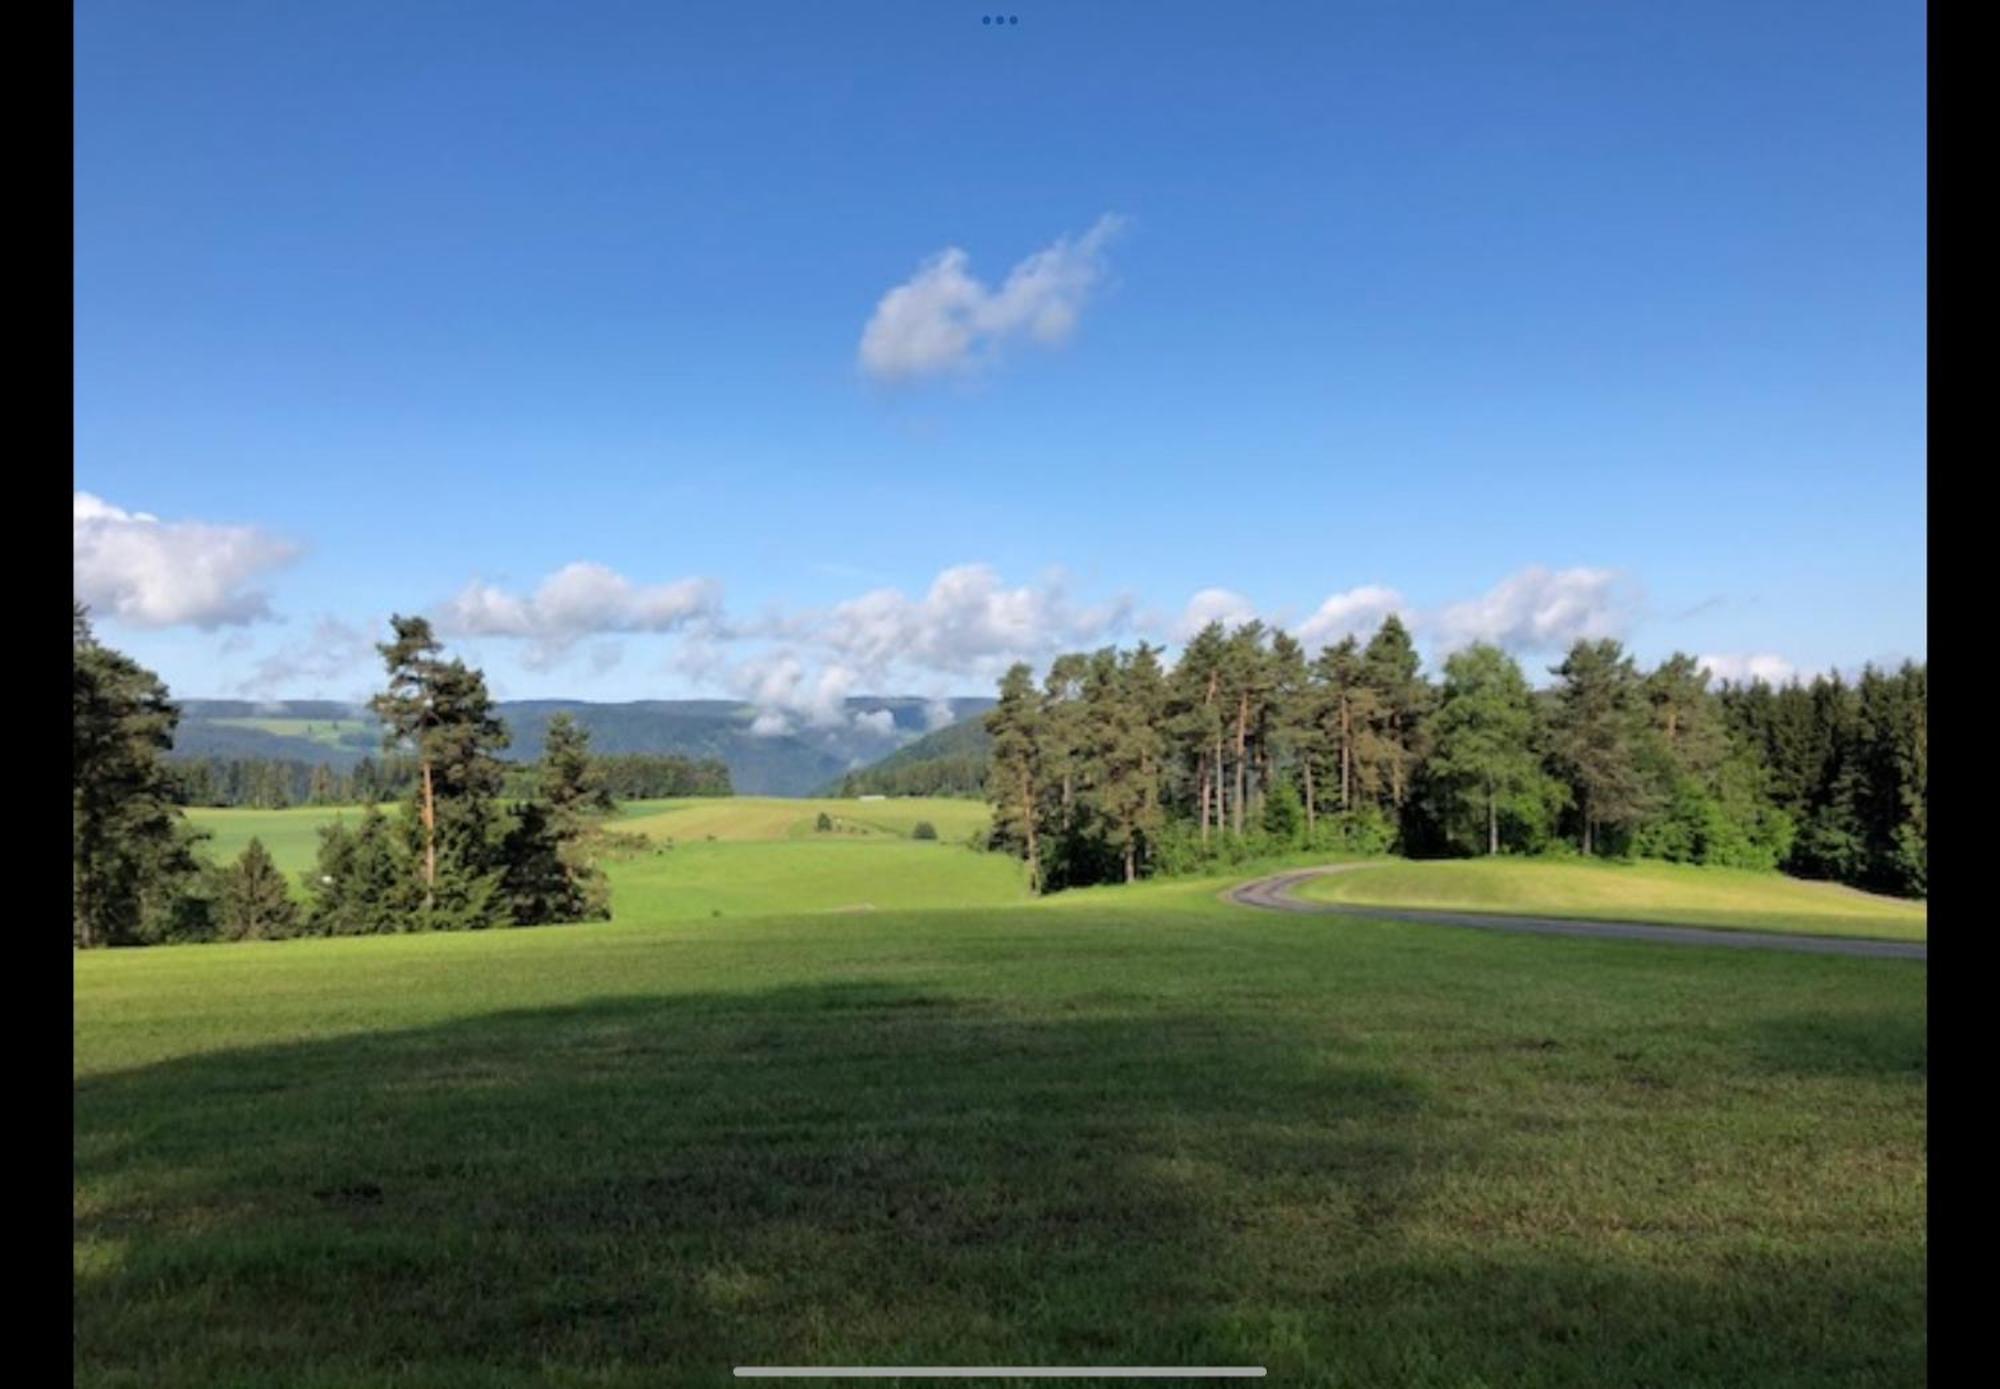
[[691, 880], [330, 733], [292, 836], [1128, 1126], [763, 818], [1661, 892]]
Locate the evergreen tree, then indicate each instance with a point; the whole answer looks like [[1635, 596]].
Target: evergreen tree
[[132, 853], [1484, 757], [573, 786], [1394, 734], [442, 713], [361, 886], [1597, 725], [1014, 787], [254, 902]]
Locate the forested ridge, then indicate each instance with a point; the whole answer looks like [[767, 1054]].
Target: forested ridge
[[949, 761], [1115, 766]]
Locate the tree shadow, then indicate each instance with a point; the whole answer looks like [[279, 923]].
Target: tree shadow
[[1877, 1043], [848, 1173]]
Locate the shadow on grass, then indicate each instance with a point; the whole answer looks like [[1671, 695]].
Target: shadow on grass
[[853, 1170], [647, 1191], [1886, 1044]]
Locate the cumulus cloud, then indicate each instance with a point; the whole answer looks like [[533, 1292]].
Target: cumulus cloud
[[1358, 611], [967, 626], [1222, 605], [942, 319], [786, 692], [1537, 610], [138, 569], [880, 722], [1741, 668], [968, 623], [939, 714], [579, 600]]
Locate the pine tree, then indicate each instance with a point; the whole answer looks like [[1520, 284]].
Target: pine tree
[[1014, 786], [572, 784], [254, 902], [1394, 733], [132, 853], [361, 885], [1484, 754], [442, 712], [1597, 726]]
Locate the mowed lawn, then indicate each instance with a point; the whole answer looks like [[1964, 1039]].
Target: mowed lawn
[[1135, 1126], [1660, 892]]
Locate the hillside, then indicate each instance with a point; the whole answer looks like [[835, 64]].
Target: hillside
[[790, 764], [948, 762]]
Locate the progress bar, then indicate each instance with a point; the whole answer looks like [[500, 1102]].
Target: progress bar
[[999, 1371]]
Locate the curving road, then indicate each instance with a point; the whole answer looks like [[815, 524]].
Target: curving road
[[1275, 894]]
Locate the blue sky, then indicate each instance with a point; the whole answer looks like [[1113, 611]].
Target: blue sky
[[1527, 321]]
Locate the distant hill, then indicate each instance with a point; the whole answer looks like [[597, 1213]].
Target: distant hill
[[791, 764], [948, 762]]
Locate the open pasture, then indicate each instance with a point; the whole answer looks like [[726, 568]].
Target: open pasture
[[1139, 1127], [735, 819]]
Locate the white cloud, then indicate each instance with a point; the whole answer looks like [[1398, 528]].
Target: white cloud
[[939, 714], [968, 623], [579, 600], [334, 652], [785, 692], [1537, 610], [138, 569], [1358, 611], [1740, 668], [1222, 605], [880, 722], [943, 319]]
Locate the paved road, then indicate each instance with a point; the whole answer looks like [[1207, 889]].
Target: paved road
[[1275, 894]]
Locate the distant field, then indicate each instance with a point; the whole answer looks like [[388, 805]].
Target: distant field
[[329, 732], [292, 836], [1660, 892], [739, 818], [1136, 1126], [690, 879], [881, 873]]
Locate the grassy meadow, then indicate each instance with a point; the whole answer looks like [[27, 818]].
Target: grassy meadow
[[1675, 894], [291, 835], [1128, 1125]]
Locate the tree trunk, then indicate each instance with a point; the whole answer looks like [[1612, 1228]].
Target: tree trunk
[[1028, 821], [1492, 822], [1307, 762], [1242, 770], [1346, 759], [1131, 866], [1221, 786], [1201, 785], [430, 838]]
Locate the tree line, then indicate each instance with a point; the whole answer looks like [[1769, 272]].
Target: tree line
[[458, 856], [274, 783], [1115, 766]]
